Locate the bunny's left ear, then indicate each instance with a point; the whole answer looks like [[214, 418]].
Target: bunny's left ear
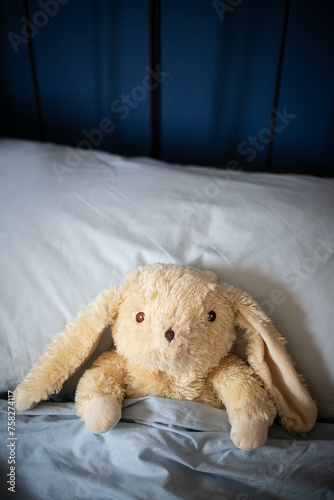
[[69, 351], [266, 353]]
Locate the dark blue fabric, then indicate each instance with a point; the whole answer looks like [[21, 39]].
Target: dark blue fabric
[[219, 61]]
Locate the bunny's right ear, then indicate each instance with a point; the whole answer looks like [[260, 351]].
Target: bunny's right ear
[[67, 353], [267, 355]]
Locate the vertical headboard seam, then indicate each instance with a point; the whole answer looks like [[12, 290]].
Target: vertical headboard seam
[[155, 63], [34, 73], [277, 84]]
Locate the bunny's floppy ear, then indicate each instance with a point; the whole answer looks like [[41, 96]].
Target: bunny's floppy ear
[[72, 347], [266, 353]]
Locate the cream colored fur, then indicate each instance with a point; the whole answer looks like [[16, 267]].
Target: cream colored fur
[[196, 365]]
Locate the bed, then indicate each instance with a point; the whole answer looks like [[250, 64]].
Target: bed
[[74, 221], [80, 232]]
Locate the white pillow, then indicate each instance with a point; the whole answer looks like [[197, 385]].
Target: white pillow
[[74, 222]]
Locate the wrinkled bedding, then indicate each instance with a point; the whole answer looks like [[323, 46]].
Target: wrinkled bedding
[[163, 449]]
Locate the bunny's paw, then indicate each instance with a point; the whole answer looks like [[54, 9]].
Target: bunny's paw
[[102, 413], [249, 434]]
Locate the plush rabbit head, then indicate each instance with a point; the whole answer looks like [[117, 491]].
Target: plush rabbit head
[[177, 320], [174, 319]]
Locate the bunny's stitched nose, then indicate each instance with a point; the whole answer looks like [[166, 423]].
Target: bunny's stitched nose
[[169, 335]]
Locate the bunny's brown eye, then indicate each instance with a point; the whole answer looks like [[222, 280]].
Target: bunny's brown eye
[[212, 316], [140, 317]]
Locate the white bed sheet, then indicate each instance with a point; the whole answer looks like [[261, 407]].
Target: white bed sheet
[[72, 225]]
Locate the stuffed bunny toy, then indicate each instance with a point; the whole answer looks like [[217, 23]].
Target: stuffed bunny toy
[[173, 329]]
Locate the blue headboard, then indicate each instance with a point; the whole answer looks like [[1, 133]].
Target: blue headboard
[[222, 82]]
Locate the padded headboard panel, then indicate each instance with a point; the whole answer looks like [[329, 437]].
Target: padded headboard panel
[[221, 83]]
